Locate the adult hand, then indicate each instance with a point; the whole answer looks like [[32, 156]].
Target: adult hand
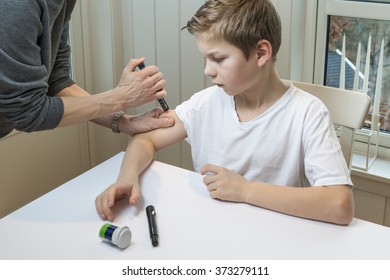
[[106, 200], [224, 184], [140, 87], [150, 120]]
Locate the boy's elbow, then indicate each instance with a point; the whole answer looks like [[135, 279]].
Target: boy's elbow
[[345, 217], [345, 208]]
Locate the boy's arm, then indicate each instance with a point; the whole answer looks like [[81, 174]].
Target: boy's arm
[[332, 204], [139, 154]]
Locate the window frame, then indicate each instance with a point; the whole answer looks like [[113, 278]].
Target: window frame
[[325, 8]]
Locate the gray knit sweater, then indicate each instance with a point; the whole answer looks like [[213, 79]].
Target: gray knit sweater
[[34, 63]]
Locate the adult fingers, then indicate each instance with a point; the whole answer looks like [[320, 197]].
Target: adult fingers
[[133, 63]]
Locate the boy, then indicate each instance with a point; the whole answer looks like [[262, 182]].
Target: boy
[[258, 140]]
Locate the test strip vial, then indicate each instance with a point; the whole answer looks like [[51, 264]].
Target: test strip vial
[[119, 236]]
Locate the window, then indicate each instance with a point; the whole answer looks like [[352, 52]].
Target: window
[[356, 20], [358, 31]]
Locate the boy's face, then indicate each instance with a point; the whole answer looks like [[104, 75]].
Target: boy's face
[[227, 66]]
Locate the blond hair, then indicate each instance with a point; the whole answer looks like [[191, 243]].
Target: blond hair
[[242, 23]]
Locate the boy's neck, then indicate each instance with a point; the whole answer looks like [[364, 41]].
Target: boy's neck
[[251, 104], [268, 90]]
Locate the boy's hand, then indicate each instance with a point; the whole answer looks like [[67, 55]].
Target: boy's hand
[[106, 200], [224, 184]]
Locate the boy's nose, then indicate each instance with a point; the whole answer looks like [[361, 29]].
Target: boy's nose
[[208, 71]]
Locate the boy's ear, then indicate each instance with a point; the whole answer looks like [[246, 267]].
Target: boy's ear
[[264, 52]]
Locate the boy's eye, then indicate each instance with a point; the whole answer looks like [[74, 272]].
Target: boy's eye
[[217, 59]]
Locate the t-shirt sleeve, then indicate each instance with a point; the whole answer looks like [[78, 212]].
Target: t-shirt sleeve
[[324, 161]]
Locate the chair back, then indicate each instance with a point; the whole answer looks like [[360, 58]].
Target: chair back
[[347, 108]]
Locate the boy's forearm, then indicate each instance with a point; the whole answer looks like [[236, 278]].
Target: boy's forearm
[[141, 149], [325, 203], [139, 154]]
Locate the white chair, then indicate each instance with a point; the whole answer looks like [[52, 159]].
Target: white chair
[[347, 108]]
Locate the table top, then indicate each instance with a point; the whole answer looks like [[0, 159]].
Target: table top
[[63, 224]]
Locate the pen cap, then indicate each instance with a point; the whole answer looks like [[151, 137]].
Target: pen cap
[[122, 237]]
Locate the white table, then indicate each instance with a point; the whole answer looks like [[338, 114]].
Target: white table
[[63, 224]]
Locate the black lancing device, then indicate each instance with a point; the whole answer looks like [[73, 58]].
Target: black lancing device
[[163, 103], [151, 214]]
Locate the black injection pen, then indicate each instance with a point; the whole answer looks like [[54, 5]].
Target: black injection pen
[[151, 214], [162, 101]]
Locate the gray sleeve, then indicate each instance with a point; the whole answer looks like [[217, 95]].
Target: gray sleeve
[[27, 95], [60, 74]]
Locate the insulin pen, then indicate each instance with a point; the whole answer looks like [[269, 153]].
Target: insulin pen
[[151, 214], [162, 101]]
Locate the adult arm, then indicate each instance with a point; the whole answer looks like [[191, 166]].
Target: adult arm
[[81, 106], [79, 110], [29, 99]]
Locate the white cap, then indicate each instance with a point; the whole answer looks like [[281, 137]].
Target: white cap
[[121, 237]]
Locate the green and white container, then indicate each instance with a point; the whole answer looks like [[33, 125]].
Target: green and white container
[[119, 236]]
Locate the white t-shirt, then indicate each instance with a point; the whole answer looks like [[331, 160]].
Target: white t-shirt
[[293, 143]]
